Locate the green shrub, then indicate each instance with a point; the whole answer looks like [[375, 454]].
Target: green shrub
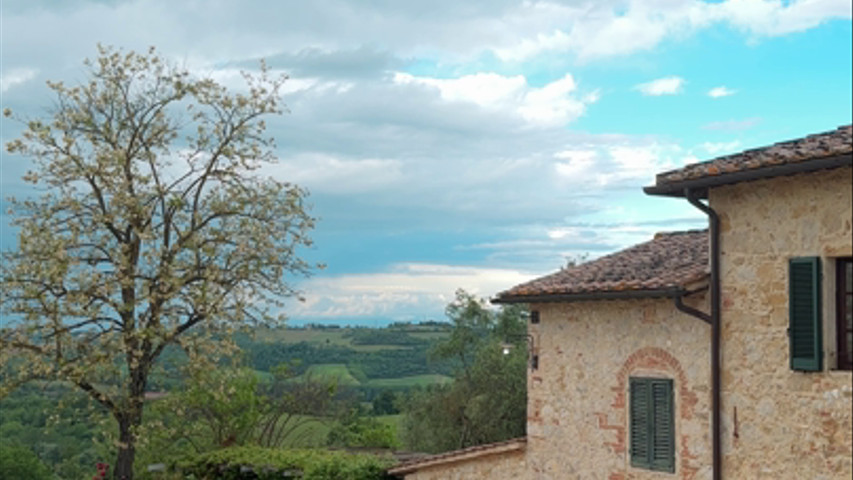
[[20, 463], [256, 463]]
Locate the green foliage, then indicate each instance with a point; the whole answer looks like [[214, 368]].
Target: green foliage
[[57, 423], [358, 430], [20, 463], [239, 463], [373, 336], [385, 403], [215, 408], [335, 372], [487, 400], [383, 363], [232, 407]]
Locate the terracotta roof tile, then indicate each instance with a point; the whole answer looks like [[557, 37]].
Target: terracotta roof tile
[[459, 455], [670, 260], [821, 145]]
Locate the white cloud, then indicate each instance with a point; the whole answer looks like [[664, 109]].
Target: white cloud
[[551, 105], [718, 148], [604, 29], [616, 164], [447, 30], [662, 86], [16, 76], [326, 173], [404, 290], [721, 91], [639, 164], [576, 163], [484, 89], [773, 18]]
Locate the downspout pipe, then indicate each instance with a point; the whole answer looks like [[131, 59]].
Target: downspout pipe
[[716, 421], [679, 304]]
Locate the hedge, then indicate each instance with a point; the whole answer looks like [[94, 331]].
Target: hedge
[[256, 463]]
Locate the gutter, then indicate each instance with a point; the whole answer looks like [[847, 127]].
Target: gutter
[[714, 320], [699, 186], [576, 297]]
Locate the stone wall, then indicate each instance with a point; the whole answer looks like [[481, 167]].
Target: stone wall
[[501, 466], [577, 409], [780, 423]]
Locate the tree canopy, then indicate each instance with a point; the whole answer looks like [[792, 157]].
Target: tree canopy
[[487, 400], [152, 226]]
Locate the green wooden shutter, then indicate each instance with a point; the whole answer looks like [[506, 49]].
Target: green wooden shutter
[[652, 424], [663, 440], [640, 422], [804, 314]]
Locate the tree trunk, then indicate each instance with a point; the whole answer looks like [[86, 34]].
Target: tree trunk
[[126, 450], [129, 422]]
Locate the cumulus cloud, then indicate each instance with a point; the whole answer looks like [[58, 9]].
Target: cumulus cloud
[[16, 76], [617, 163], [403, 291], [721, 91], [595, 30], [553, 104], [444, 29], [662, 86], [772, 18], [327, 173]]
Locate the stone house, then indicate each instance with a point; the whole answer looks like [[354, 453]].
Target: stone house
[[720, 353]]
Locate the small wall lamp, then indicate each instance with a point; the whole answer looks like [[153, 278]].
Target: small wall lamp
[[532, 353]]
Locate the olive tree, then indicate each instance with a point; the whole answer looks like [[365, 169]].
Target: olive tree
[[151, 225]]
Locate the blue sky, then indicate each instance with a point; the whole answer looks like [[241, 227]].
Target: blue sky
[[471, 144]]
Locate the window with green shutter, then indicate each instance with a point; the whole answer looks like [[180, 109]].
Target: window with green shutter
[[804, 327], [652, 424]]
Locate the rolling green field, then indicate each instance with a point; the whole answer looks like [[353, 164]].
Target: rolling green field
[[372, 359], [339, 337], [332, 371], [292, 335], [408, 382], [341, 374]]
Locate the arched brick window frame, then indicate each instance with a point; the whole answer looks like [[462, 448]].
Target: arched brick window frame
[[644, 361]]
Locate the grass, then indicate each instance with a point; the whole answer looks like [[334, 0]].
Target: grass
[[430, 335], [376, 348], [336, 371], [406, 382], [289, 336], [335, 337]]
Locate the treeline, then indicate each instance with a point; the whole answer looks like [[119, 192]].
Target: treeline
[[383, 337], [385, 363]]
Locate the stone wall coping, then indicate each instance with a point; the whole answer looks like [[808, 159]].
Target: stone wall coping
[[465, 454]]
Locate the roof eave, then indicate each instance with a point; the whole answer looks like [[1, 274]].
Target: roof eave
[[701, 185], [668, 292], [457, 456]]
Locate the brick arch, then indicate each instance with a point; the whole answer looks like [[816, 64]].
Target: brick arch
[[655, 358], [652, 358]]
